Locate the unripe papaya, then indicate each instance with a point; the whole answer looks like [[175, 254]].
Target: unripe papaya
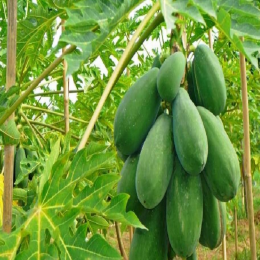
[[136, 113], [208, 79], [189, 134], [214, 218], [127, 184], [184, 208], [222, 171], [151, 244], [170, 76], [155, 165]]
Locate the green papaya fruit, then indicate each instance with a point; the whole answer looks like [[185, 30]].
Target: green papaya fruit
[[151, 244], [127, 183], [214, 218], [222, 169], [189, 134], [193, 256], [184, 208], [136, 113], [155, 165], [19, 156], [170, 76], [157, 62], [209, 80]]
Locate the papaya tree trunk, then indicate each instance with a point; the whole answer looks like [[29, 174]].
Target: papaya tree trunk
[[10, 81], [247, 158]]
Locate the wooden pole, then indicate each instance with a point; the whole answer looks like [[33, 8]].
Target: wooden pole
[[10, 81], [120, 242], [65, 90], [247, 158], [236, 237], [210, 39], [224, 248]]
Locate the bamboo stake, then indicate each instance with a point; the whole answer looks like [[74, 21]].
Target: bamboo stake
[[236, 237], [210, 39], [126, 57], [247, 158], [120, 242], [10, 81], [65, 90], [224, 248]]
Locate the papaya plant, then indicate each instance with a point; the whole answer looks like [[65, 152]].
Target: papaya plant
[[65, 193]]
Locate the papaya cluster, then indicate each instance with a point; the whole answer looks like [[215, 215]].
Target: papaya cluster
[[180, 166]]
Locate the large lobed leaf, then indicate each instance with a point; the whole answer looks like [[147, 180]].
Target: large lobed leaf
[[233, 18], [49, 231], [90, 22]]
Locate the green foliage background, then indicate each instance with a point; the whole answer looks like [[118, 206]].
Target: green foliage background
[[71, 195]]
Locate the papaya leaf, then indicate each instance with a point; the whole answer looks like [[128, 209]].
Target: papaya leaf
[[89, 24], [10, 133], [47, 232]]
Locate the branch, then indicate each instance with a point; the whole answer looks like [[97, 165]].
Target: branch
[[49, 93], [34, 84], [130, 50], [51, 127], [53, 112], [27, 121], [120, 242]]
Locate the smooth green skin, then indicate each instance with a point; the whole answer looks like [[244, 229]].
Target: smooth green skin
[[151, 244], [127, 184], [157, 62], [19, 156], [192, 257], [184, 209], [155, 165], [209, 80], [222, 169], [214, 218], [192, 150], [170, 76], [136, 113]]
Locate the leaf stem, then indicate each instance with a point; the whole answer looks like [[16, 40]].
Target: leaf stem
[[130, 50], [34, 84], [53, 112], [29, 124], [49, 93], [51, 127]]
